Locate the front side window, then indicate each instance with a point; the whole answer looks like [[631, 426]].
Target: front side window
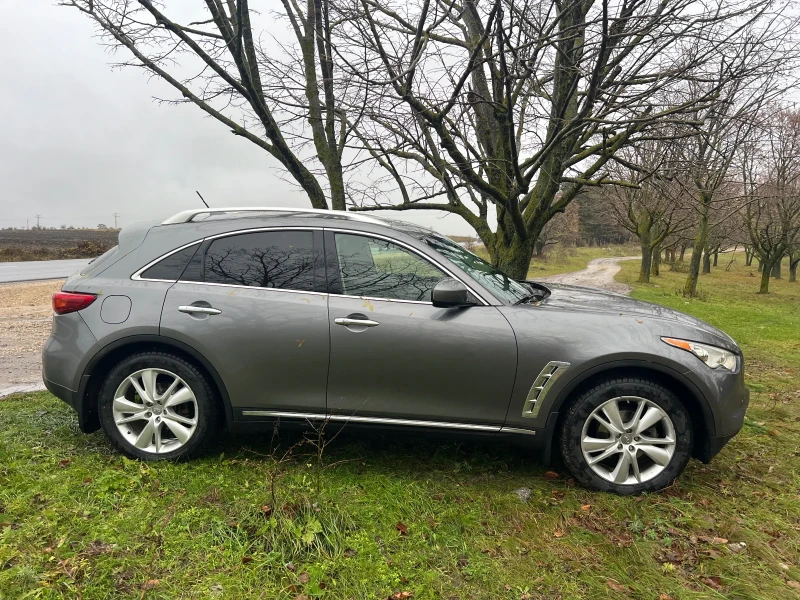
[[493, 279], [267, 259], [379, 269]]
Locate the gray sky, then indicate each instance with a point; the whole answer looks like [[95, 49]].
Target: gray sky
[[81, 141]]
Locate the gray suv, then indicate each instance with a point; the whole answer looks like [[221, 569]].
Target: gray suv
[[243, 317]]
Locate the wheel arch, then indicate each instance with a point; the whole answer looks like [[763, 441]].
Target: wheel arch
[[108, 356], [703, 426]]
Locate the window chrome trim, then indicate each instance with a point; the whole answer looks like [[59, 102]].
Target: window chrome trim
[[249, 287], [137, 276], [397, 242], [375, 420]]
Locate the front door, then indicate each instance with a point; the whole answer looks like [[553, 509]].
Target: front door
[[395, 356], [253, 306]]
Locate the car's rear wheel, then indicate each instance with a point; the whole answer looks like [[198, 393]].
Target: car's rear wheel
[[626, 436], [156, 405]]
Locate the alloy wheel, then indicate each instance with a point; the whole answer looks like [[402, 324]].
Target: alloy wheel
[[155, 411], [628, 440]]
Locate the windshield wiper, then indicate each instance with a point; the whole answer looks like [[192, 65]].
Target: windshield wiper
[[528, 298]]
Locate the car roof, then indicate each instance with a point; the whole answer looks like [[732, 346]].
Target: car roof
[[231, 219]]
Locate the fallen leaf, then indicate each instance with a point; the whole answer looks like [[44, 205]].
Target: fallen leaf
[[713, 582], [266, 509], [150, 584], [401, 528], [617, 587], [290, 567], [247, 559], [663, 596], [795, 585], [551, 475], [64, 463], [712, 539], [401, 596], [303, 577], [300, 343], [586, 507], [558, 533]]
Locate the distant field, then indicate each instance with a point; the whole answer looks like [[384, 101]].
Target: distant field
[[54, 244]]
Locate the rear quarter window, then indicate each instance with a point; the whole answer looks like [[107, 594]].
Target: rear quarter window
[[171, 267]]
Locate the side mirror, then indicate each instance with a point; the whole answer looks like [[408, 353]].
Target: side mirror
[[450, 293]]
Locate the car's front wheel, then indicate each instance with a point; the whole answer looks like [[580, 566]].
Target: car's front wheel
[[156, 405], [626, 436]]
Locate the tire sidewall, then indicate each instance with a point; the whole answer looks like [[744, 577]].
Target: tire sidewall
[[206, 413], [585, 404]]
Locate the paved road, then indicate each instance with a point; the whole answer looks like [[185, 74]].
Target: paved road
[[598, 273], [39, 269]]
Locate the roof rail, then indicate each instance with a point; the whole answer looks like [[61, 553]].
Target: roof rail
[[186, 216]]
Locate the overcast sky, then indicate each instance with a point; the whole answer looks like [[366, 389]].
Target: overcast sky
[[81, 141]]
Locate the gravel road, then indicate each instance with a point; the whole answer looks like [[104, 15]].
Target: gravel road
[[25, 317], [599, 273]]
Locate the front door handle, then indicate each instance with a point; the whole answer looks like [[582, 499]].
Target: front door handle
[[347, 322], [202, 310]]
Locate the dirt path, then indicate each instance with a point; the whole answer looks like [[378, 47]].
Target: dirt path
[[599, 273], [25, 317]]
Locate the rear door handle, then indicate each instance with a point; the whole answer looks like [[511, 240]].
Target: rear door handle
[[203, 310], [347, 322]]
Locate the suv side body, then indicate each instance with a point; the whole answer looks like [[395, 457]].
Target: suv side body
[[491, 369]]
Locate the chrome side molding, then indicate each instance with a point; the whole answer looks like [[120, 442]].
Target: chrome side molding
[[541, 385]]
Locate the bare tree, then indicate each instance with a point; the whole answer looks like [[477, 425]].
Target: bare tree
[[512, 107], [773, 218], [222, 64], [652, 209]]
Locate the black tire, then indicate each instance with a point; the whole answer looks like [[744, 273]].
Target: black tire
[[580, 409], [207, 414]]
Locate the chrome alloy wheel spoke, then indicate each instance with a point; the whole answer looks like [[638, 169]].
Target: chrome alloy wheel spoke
[[155, 410], [628, 440]]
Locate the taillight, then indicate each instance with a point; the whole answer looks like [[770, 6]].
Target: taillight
[[67, 302]]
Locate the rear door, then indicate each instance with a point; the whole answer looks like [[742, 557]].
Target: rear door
[[253, 304], [394, 356]]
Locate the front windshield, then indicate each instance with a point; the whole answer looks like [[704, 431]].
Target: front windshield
[[493, 279]]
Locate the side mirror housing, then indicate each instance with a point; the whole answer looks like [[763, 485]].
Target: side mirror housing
[[450, 293]]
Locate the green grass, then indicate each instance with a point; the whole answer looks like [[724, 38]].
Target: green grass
[[383, 515]]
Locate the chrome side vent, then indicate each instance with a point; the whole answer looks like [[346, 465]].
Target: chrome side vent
[[545, 380]]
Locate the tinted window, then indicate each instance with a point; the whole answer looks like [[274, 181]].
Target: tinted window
[[493, 279], [380, 269], [172, 266], [268, 259]]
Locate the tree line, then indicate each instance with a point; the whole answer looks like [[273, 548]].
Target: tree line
[[668, 114]]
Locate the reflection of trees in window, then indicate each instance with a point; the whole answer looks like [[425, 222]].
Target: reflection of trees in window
[[379, 269], [269, 260]]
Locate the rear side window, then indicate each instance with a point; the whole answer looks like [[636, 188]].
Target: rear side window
[[172, 266], [266, 259]]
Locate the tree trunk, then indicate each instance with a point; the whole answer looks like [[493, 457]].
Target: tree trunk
[[656, 261], [514, 260], [765, 272], [776, 268], [690, 287], [716, 256], [748, 257], [683, 252], [793, 262], [647, 262], [706, 262]]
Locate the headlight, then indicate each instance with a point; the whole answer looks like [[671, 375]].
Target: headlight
[[711, 355]]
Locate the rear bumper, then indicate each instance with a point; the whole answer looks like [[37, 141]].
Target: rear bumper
[[59, 391]]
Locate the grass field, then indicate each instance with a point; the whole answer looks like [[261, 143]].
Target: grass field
[[387, 517], [54, 244]]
